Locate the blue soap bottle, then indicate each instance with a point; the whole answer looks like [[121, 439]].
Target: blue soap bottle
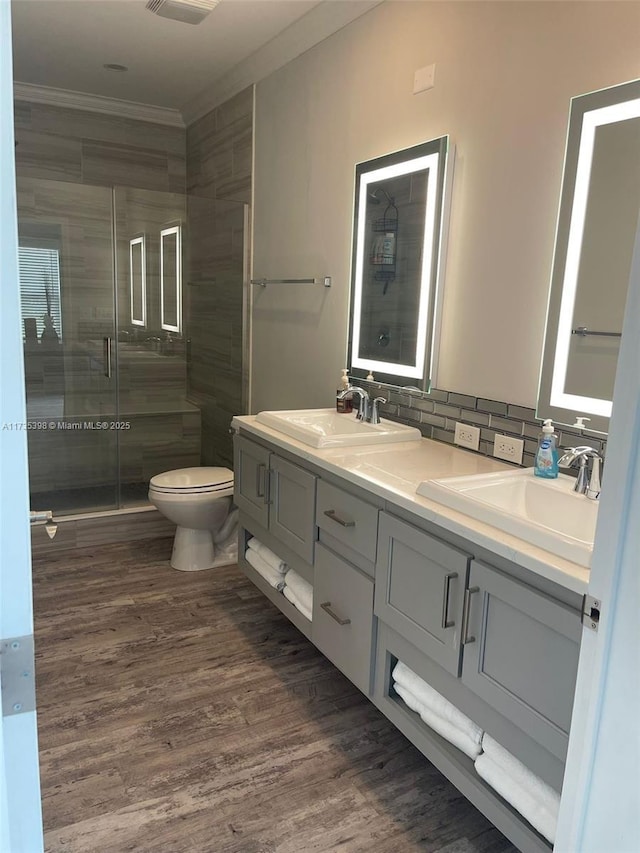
[[547, 454]]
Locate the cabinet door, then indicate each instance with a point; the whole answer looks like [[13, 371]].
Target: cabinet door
[[521, 654], [251, 464], [293, 507], [420, 583], [342, 626]]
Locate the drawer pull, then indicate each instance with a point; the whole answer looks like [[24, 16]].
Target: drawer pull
[[326, 606], [465, 614], [445, 599], [331, 513]]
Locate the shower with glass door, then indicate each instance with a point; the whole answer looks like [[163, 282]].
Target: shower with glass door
[[104, 275]]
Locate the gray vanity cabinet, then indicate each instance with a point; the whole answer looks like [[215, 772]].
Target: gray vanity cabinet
[[521, 654], [343, 623], [292, 492], [278, 495], [250, 491], [420, 584]]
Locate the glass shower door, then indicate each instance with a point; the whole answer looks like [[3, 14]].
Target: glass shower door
[[68, 324]]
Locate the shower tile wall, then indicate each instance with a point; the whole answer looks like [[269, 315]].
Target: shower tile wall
[[219, 179], [82, 147]]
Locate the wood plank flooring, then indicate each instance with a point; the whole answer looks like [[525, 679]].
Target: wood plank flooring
[[182, 713]]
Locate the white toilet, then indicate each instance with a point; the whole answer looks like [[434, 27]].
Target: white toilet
[[200, 502]]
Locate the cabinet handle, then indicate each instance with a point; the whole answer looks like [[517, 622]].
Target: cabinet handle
[[466, 610], [331, 513], [267, 486], [260, 470], [326, 606], [445, 599]]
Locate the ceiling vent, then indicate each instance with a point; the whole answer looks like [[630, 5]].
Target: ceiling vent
[[187, 11]]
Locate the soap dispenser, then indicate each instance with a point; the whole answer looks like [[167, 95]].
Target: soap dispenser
[[344, 405], [547, 455]]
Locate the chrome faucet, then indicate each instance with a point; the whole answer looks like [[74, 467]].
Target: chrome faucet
[[585, 485], [363, 401], [367, 408]]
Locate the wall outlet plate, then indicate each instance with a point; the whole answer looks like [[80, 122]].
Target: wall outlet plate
[[467, 436], [506, 447]]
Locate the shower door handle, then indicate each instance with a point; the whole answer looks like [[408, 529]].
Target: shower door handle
[[106, 356]]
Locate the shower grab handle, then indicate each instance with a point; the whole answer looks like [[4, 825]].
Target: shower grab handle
[[106, 356]]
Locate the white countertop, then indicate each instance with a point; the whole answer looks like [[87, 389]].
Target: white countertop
[[393, 472]]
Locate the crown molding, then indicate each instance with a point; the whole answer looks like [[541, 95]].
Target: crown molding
[[322, 21], [96, 104]]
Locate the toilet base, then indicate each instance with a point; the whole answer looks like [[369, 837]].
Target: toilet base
[[194, 551]]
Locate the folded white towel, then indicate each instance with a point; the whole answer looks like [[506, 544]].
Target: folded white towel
[[272, 577], [436, 702], [293, 598], [521, 775], [302, 590], [267, 555], [443, 727], [531, 807]]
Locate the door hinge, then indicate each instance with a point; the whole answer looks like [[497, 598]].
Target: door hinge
[[17, 665], [591, 608]]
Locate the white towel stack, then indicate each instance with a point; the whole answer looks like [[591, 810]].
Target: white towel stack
[[300, 593], [436, 711], [527, 793], [266, 563]]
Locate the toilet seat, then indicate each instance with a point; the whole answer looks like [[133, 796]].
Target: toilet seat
[[191, 481]]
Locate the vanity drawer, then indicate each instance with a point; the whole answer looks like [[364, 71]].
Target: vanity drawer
[[342, 626], [348, 519]]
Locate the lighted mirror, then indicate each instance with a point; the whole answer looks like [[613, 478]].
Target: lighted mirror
[[171, 279], [597, 221], [397, 263], [138, 280]]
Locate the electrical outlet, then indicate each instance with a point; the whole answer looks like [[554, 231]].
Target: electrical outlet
[[505, 447], [467, 436]]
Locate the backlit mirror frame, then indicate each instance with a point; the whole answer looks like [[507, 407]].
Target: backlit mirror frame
[[436, 156], [138, 245], [165, 234], [587, 113]]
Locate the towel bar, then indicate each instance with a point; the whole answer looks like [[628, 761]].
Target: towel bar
[[263, 282]]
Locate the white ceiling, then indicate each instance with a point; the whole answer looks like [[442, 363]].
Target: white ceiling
[[64, 44]]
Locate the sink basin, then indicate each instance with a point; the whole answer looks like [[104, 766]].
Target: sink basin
[[327, 428], [546, 513]]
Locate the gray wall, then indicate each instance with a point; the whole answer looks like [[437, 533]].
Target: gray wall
[[219, 183], [505, 73]]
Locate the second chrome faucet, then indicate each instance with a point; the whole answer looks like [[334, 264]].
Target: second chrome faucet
[[585, 485]]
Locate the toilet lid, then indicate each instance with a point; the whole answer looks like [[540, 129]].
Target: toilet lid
[[188, 479]]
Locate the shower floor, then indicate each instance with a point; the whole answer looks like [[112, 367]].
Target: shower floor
[[90, 499]]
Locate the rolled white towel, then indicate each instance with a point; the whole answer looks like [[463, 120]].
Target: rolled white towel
[[523, 800], [436, 702], [521, 775], [302, 590], [290, 595], [272, 577], [443, 727], [267, 555]]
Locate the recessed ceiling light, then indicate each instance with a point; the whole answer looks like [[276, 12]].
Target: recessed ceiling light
[[114, 66]]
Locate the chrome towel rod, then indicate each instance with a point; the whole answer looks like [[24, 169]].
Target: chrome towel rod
[[583, 332], [263, 282]]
